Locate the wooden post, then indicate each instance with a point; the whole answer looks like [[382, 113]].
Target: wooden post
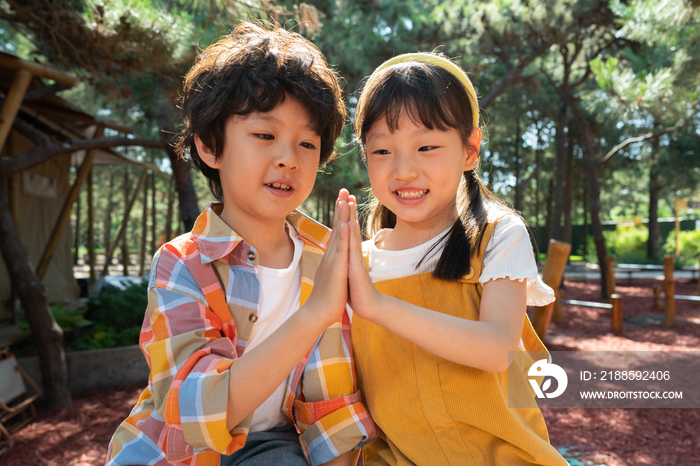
[[13, 100], [657, 297], [610, 275], [669, 290], [558, 315], [60, 225], [91, 231], [113, 244], [616, 324], [557, 255]]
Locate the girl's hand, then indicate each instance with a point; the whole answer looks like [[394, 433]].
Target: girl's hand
[[364, 299], [330, 292]]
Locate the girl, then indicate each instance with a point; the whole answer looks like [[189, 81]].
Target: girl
[[441, 339]]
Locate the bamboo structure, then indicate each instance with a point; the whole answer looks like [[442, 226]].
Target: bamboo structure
[[557, 256], [669, 290]]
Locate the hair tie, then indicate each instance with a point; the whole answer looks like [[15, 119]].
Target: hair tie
[[443, 63]]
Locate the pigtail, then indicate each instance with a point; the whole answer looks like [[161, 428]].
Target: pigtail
[[465, 237]]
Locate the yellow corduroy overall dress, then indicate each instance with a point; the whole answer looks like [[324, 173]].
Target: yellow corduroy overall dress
[[432, 411]]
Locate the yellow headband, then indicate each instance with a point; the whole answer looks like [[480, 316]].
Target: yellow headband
[[443, 63]]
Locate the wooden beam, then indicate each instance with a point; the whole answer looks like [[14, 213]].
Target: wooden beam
[[113, 244], [557, 256], [38, 70], [610, 275], [85, 169], [14, 98]]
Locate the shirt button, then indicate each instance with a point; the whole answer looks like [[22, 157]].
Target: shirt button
[[251, 256], [253, 318]]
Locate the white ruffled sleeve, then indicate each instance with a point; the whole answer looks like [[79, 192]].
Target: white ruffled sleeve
[[509, 255]]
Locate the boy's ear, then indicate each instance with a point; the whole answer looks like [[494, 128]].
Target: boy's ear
[[471, 152], [206, 154]]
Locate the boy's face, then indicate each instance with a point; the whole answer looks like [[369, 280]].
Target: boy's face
[[268, 165]]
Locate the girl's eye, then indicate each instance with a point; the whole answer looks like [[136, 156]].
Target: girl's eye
[[265, 136], [308, 145], [426, 148], [381, 152]]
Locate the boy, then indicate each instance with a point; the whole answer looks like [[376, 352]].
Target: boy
[[231, 311]]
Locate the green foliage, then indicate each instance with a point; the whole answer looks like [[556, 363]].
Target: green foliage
[[104, 336], [689, 251], [627, 244], [67, 320], [120, 309]]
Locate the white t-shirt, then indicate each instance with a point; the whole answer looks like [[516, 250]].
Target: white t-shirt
[[508, 254], [280, 291]]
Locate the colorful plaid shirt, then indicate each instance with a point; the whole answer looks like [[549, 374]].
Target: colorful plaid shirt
[[203, 299]]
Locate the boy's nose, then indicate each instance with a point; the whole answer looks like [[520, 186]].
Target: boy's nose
[[287, 158]]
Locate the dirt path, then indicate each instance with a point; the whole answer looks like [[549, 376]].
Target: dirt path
[[612, 437]]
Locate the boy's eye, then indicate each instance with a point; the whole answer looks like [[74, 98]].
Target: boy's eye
[[265, 136], [426, 148], [308, 145]]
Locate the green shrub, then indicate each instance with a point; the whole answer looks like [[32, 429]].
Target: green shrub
[[689, 252], [118, 308], [627, 244]]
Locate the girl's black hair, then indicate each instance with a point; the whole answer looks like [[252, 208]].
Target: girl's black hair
[[435, 98]]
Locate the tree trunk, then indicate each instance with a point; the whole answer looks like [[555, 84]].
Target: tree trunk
[[538, 164], [144, 231], [154, 222], [188, 204], [560, 176], [169, 215], [588, 145], [568, 192], [550, 211], [585, 220], [125, 243], [108, 213], [32, 294], [654, 194], [519, 188], [76, 240]]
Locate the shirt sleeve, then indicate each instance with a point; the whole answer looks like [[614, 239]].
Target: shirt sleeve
[[509, 255], [330, 413], [189, 357]]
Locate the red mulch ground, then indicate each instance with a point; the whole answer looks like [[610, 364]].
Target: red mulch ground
[[615, 437]]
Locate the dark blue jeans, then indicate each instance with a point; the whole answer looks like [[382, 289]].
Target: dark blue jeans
[[276, 447]]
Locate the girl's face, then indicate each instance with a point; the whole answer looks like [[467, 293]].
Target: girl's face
[[415, 171]]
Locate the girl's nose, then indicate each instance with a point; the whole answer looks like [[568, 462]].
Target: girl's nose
[[405, 168]]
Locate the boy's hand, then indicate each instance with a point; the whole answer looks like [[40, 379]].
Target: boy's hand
[[330, 291], [364, 299]]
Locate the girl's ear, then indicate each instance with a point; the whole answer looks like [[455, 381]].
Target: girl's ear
[[471, 152], [206, 154]]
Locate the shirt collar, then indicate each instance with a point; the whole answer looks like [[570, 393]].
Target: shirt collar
[[216, 239]]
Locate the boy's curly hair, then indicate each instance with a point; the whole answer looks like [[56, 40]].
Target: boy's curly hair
[[253, 69]]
